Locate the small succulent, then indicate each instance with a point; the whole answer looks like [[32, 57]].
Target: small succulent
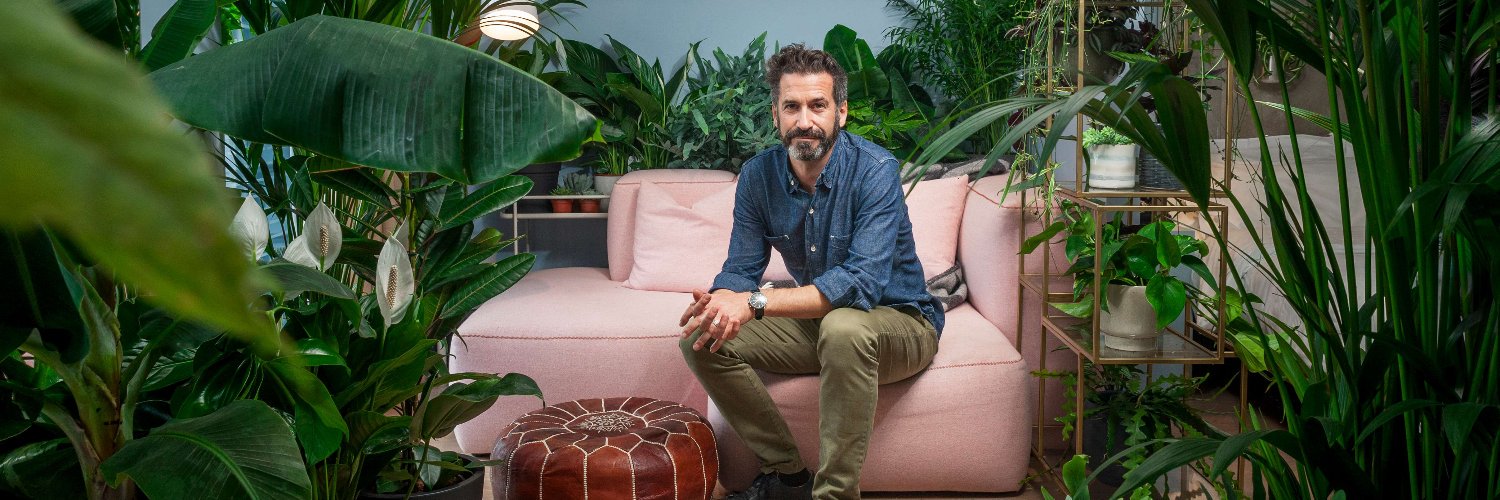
[[561, 191]]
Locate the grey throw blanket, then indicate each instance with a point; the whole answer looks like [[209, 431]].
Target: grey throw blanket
[[948, 287]]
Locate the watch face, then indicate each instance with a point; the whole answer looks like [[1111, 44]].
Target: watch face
[[758, 300]]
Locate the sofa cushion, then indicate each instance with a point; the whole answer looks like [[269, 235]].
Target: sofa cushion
[[680, 246], [974, 400], [936, 208], [579, 335]]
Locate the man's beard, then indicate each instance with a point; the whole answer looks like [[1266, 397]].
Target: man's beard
[[803, 151]]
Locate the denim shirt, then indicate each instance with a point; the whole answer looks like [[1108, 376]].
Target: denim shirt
[[850, 237]]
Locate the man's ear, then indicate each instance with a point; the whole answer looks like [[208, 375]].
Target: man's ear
[[843, 115]]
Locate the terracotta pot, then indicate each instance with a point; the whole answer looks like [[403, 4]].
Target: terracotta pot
[[588, 206], [562, 206], [1112, 166], [1130, 322]]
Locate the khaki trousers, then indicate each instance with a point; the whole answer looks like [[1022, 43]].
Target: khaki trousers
[[853, 352]]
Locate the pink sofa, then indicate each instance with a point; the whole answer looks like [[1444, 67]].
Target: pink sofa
[[964, 424]]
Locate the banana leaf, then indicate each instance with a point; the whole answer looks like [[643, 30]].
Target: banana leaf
[[378, 96]]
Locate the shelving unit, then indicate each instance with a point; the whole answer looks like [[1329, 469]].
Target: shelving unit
[[1197, 341], [516, 216]]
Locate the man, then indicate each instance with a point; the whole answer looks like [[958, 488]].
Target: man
[[831, 203]]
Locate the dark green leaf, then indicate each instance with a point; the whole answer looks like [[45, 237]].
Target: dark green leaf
[[372, 433], [488, 284], [1048, 233], [1458, 423], [297, 278], [46, 469], [489, 198], [244, 450], [179, 31], [1168, 297], [1168, 253], [346, 88], [1081, 309], [461, 402], [1197, 265]]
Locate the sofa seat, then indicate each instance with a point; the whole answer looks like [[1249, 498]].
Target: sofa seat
[[579, 335], [972, 404]]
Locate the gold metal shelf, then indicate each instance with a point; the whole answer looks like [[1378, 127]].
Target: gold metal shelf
[[1059, 290], [1173, 347], [1088, 193]]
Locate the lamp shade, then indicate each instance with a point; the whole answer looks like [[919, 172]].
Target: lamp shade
[[510, 22]]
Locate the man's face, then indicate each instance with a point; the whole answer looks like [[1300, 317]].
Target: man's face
[[806, 118]]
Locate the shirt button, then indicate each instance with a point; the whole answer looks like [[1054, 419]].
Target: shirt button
[[814, 248], [809, 211]]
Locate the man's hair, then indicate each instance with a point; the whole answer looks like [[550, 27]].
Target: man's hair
[[796, 59]]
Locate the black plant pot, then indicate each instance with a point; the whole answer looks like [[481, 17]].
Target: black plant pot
[[1099, 447], [470, 488], [543, 178], [1151, 174]]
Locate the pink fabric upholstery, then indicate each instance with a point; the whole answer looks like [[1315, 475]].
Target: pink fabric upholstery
[[988, 246], [688, 186], [936, 207], [680, 248], [579, 335], [971, 402]]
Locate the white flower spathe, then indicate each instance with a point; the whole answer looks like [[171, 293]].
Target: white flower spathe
[[250, 229], [395, 283]]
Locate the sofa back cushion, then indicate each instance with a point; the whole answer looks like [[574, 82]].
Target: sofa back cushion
[[936, 208], [681, 247], [686, 186]]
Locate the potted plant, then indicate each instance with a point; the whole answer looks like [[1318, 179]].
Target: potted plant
[[1141, 293], [1111, 158], [1122, 410], [580, 183], [708, 129], [562, 206]]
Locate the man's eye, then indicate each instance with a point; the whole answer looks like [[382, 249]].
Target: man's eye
[[819, 106]]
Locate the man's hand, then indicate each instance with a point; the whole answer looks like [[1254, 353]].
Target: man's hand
[[719, 314]]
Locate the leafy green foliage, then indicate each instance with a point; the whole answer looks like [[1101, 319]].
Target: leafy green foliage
[[963, 49], [1145, 256], [632, 97], [1103, 136], [722, 122], [886, 105], [238, 451]]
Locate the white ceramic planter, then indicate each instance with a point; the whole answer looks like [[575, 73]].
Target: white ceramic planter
[[1112, 166], [1130, 322], [605, 184]]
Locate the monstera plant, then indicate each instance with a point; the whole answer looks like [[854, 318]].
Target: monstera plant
[[401, 140]]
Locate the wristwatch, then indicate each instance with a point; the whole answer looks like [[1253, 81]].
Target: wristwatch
[[758, 303]]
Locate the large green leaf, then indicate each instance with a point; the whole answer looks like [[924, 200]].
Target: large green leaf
[[486, 199], [84, 148], [488, 284], [379, 96], [178, 32], [866, 79], [297, 278], [461, 402], [244, 450], [45, 469], [99, 18]]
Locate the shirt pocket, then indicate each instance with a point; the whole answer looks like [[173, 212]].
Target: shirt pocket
[[838, 249]]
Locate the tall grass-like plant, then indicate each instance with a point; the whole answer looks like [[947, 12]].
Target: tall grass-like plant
[[961, 48], [1390, 383]]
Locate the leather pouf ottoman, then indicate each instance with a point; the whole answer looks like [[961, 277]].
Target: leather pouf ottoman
[[625, 448]]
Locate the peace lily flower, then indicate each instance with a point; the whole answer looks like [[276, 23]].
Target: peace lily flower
[[250, 229], [396, 284], [321, 240]]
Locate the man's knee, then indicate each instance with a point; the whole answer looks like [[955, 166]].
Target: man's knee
[[845, 328]]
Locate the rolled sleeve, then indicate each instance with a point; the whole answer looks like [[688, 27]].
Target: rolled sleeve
[[860, 279], [748, 250]]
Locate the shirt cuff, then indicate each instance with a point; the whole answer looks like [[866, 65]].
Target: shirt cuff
[[733, 282], [841, 290]]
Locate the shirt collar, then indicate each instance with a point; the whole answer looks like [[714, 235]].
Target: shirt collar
[[831, 171]]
